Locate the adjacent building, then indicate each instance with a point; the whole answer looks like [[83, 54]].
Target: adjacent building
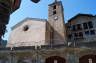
[[82, 28]]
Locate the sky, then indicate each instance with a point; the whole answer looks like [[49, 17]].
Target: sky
[[40, 10]]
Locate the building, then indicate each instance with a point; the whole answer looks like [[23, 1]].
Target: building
[[82, 27], [40, 41], [50, 32]]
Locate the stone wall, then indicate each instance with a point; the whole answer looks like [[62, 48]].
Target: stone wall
[[69, 54], [30, 32]]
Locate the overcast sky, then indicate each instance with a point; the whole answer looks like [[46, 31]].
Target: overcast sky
[[40, 10]]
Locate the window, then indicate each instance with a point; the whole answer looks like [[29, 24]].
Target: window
[[90, 25], [92, 32], [70, 36], [54, 7], [80, 34], [76, 34], [54, 12], [85, 25], [87, 33], [26, 28], [69, 27], [79, 27], [74, 27]]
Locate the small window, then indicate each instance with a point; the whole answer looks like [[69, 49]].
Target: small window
[[80, 34], [85, 25], [87, 33], [54, 7], [92, 32], [90, 25], [74, 27], [76, 34], [26, 28], [79, 27], [70, 36], [54, 12]]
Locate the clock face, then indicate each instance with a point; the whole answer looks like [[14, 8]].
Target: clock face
[[55, 17]]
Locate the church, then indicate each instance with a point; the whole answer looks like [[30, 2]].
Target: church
[[51, 40]]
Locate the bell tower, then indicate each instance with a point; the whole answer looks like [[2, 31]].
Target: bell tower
[[57, 33]]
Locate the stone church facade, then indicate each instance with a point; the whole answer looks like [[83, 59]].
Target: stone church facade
[[40, 41]]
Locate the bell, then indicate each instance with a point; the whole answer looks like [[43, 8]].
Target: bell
[[35, 1]]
